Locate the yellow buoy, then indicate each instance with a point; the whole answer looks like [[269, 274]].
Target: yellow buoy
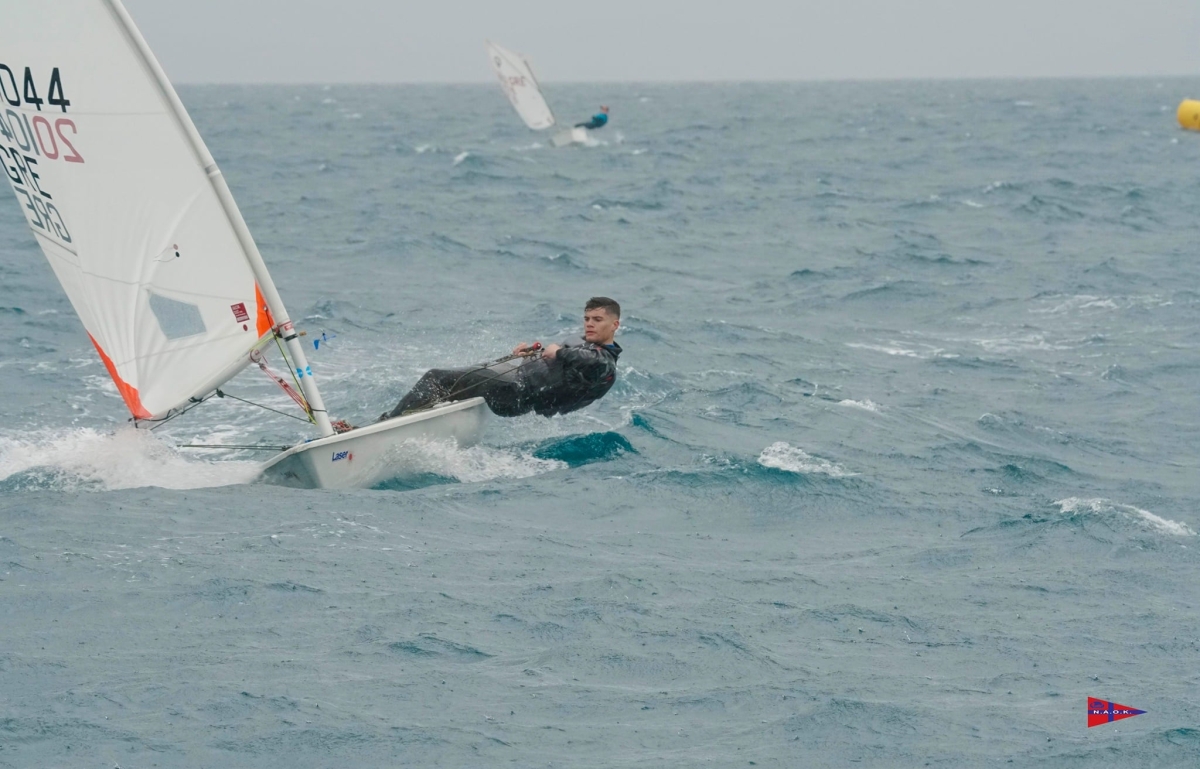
[[1189, 114]]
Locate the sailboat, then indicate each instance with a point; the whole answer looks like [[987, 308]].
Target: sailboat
[[525, 94], [143, 233]]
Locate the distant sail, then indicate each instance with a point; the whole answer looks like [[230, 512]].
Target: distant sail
[[520, 86], [115, 185]]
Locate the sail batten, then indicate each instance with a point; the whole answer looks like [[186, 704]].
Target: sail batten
[[520, 86]]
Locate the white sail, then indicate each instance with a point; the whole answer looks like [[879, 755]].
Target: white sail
[[127, 204], [520, 86]]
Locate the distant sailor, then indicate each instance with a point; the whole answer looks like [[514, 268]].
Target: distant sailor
[[554, 380], [599, 120]]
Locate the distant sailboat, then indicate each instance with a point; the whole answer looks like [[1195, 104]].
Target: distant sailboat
[[142, 232], [525, 94]]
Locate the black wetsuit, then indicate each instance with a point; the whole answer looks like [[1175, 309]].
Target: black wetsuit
[[578, 374], [599, 120]]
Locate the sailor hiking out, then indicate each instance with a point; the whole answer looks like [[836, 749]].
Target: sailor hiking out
[[599, 120], [553, 380]]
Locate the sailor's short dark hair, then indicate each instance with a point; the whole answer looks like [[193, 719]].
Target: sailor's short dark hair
[[603, 303]]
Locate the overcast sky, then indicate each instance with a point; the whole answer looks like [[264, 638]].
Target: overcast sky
[[341, 41]]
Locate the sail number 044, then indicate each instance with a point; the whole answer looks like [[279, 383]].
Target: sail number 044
[[41, 136], [28, 94], [24, 139]]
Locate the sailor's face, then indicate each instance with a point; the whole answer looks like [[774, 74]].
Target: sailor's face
[[599, 326]]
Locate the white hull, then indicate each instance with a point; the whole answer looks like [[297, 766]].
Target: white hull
[[570, 136], [370, 455]]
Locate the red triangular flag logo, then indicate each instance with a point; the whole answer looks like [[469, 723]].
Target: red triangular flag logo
[[1103, 712]]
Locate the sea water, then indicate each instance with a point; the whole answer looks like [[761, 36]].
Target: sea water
[[901, 465]]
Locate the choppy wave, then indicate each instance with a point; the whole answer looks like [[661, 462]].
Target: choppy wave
[[428, 463], [790, 459], [865, 405], [88, 459], [1108, 507], [790, 482], [576, 450]]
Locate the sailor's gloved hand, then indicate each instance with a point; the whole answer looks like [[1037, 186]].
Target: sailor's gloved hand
[[525, 348]]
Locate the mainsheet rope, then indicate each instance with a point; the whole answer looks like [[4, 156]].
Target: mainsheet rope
[[533, 352]]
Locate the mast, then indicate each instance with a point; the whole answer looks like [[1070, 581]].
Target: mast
[[538, 87], [274, 301]]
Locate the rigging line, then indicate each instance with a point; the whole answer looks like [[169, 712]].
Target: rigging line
[[534, 353], [488, 367], [231, 447], [222, 394], [292, 371], [454, 392], [257, 357], [163, 421]]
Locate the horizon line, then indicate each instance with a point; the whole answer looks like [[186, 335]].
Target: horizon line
[[747, 81]]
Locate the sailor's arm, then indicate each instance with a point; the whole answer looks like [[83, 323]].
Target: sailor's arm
[[584, 358]]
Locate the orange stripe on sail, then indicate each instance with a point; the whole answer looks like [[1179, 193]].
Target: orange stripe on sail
[[128, 391], [264, 321]]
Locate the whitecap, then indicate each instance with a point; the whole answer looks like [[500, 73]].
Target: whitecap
[[1145, 517], [884, 349], [460, 157], [1005, 345], [126, 459], [783, 456], [866, 405], [1064, 303], [471, 465]]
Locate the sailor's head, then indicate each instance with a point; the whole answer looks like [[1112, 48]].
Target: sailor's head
[[601, 319], [604, 108]]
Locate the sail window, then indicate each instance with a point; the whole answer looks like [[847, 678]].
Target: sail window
[[176, 319]]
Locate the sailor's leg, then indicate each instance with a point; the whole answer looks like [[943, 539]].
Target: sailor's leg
[[506, 401], [434, 386], [497, 385]]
